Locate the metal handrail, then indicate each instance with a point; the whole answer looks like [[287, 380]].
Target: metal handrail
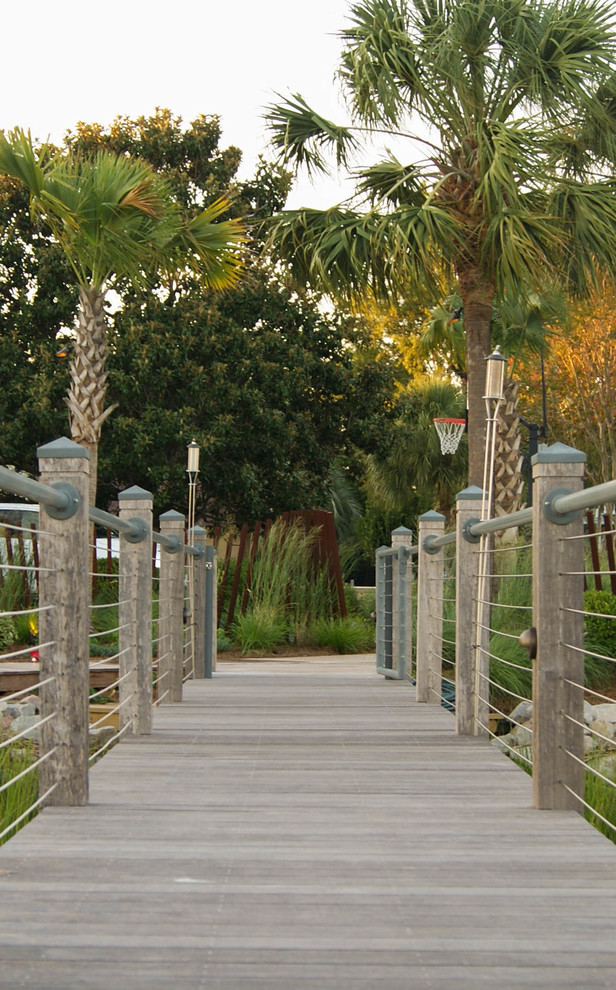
[[65, 499], [561, 505], [599, 494], [19, 484]]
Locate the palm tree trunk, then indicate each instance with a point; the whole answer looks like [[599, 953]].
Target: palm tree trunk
[[508, 478], [477, 297], [88, 371]]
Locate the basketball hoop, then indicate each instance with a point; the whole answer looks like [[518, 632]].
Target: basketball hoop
[[450, 433]]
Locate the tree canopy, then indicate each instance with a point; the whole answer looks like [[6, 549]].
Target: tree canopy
[[514, 105], [271, 387]]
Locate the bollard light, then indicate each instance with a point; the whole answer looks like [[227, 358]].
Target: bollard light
[[193, 459], [495, 375]]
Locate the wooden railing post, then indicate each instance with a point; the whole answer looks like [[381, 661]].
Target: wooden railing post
[[558, 602], [402, 610], [171, 610], [429, 610], [468, 510], [64, 599], [198, 540], [135, 614]]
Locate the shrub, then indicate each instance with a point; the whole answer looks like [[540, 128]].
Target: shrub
[[350, 635], [599, 637], [362, 603], [260, 631], [223, 643], [21, 795], [7, 632]]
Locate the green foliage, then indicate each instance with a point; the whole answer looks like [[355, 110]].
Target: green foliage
[[413, 462], [104, 615], [260, 631], [7, 632], [223, 643], [360, 603], [265, 383], [290, 589], [513, 188], [512, 673], [601, 796], [599, 637], [21, 795], [598, 630], [350, 635]]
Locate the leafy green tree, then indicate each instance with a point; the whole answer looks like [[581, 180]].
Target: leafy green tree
[[413, 461], [272, 389], [514, 102], [267, 385], [113, 218], [37, 300]]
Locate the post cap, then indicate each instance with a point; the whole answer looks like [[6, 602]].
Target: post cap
[[402, 531], [473, 492], [133, 493], [171, 516], [432, 516], [62, 447], [559, 453]]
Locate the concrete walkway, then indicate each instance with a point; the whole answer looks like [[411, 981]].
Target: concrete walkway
[[305, 824]]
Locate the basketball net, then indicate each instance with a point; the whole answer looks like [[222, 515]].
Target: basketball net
[[450, 433]]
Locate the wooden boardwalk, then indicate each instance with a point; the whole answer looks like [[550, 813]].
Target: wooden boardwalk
[[306, 825]]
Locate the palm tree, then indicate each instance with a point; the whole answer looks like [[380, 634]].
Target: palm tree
[[114, 219], [414, 461], [514, 104]]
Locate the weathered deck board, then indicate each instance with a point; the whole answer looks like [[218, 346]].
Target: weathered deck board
[[306, 826]]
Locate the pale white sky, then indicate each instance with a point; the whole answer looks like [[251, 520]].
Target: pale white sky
[[70, 60]]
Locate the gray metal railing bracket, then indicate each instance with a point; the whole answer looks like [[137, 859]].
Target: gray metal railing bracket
[[73, 501], [428, 545], [140, 531], [466, 530], [172, 544], [551, 512]]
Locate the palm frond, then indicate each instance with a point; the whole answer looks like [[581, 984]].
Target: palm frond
[[114, 216], [302, 136], [587, 213], [392, 182], [18, 160], [572, 43], [350, 254], [379, 69], [210, 247]]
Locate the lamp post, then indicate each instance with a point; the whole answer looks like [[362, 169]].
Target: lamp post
[[493, 396], [192, 470]]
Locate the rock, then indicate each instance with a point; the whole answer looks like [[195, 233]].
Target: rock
[[605, 763], [34, 700], [603, 729], [27, 723], [14, 710], [27, 709], [589, 715], [522, 713], [590, 744], [98, 737], [499, 743], [520, 737], [3, 707], [607, 713]]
